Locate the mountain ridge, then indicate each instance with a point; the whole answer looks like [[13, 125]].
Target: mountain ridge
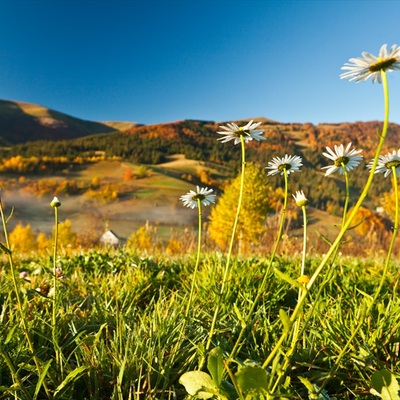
[[23, 122]]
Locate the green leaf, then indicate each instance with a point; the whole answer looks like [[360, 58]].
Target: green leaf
[[287, 278], [10, 334], [314, 392], [287, 323], [252, 380], [199, 383], [239, 315], [385, 385], [215, 365], [70, 378], [324, 238], [41, 378], [5, 249]]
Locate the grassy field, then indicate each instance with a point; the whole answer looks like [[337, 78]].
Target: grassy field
[[153, 198], [121, 332]]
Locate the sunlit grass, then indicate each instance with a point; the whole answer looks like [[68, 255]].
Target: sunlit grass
[[121, 315]]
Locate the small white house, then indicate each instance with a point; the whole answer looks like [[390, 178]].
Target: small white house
[[110, 238]]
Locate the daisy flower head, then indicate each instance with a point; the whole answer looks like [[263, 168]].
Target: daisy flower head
[[300, 198], [280, 165], [235, 132], [370, 66], [343, 158], [386, 163], [191, 198]]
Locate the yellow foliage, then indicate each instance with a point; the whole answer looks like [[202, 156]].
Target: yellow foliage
[[95, 183], [42, 242], [366, 221], [22, 239], [257, 200], [174, 247], [66, 237], [141, 239], [388, 204]]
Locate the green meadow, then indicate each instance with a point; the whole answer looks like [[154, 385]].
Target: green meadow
[[120, 314]]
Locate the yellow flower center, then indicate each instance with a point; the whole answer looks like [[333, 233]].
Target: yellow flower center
[[284, 167], [382, 65], [341, 161], [199, 196], [393, 163]]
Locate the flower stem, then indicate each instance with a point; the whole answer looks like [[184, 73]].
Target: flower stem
[[303, 259], [229, 255], [189, 303], [346, 202], [261, 288], [19, 301], [296, 325], [345, 226], [55, 293], [197, 262], [381, 282], [282, 219]]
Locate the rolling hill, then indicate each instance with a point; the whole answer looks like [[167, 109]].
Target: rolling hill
[[110, 151], [21, 122]]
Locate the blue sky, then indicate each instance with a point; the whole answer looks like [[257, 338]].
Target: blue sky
[[160, 61]]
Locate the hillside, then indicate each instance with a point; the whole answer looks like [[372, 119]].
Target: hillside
[[21, 122], [33, 169]]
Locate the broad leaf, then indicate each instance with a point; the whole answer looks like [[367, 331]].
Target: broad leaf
[[215, 365], [199, 383], [385, 385], [252, 380]]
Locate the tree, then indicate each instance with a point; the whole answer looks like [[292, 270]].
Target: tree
[[66, 237], [258, 198], [141, 239], [22, 239]]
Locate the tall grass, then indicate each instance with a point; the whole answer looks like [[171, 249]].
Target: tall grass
[[121, 316]]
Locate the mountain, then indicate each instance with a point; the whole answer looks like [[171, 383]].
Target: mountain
[[22, 122]]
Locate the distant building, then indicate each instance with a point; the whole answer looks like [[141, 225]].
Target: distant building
[[110, 238]]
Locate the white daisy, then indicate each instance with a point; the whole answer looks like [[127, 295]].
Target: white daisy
[[386, 163], [370, 66], [280, 165], [234, 132], [342, 157], [191, 198], [300, 198]]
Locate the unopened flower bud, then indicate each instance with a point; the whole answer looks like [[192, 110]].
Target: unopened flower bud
[[55, 202]]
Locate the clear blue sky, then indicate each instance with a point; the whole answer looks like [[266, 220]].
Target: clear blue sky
[[158, 61]]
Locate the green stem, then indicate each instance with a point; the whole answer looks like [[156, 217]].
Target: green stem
[[345, 226], [303, 259], [189, 303], [282, 219], [381, 282], [346, 202], [18, 296], [197, 262], [55, 293], [261, 288], [228, 259], [296, 325]]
